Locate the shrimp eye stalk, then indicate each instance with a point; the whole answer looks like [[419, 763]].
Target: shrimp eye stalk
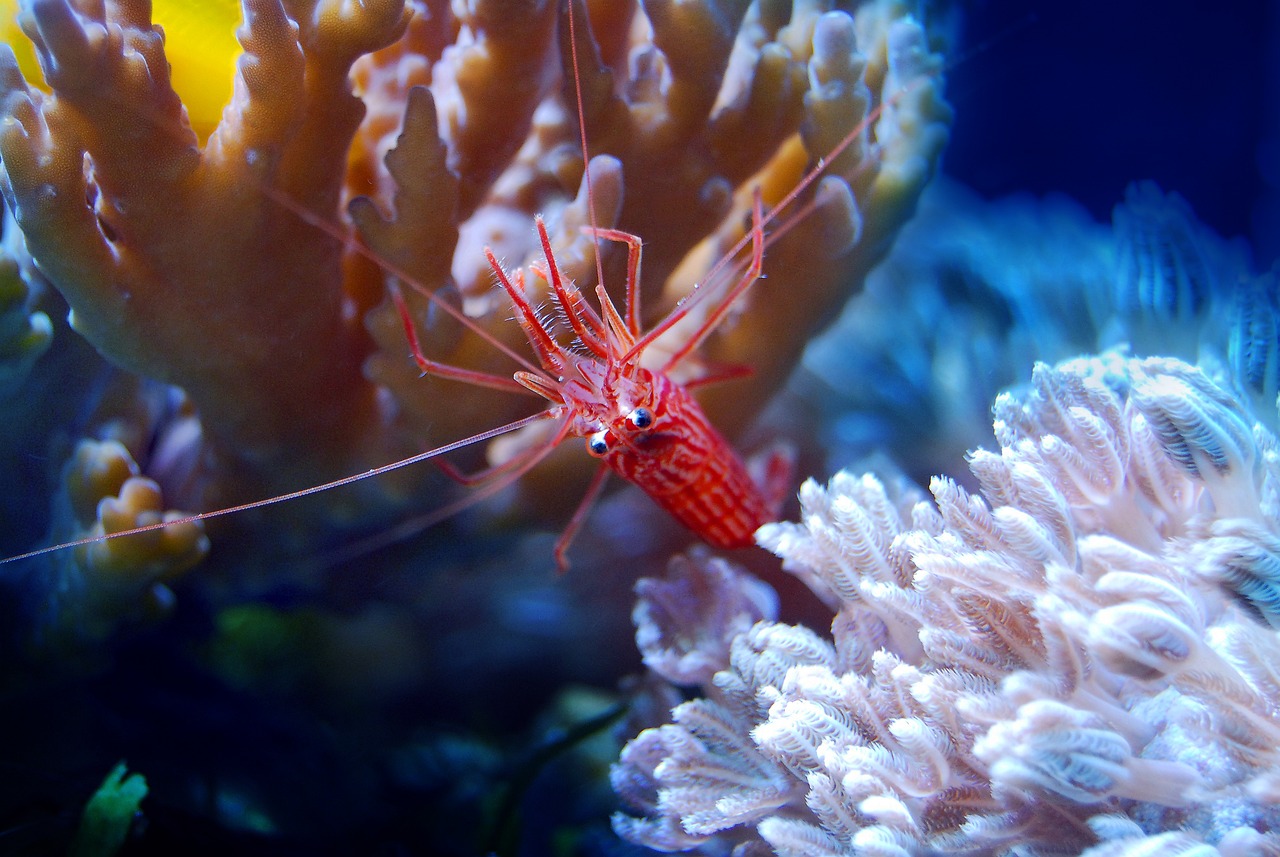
[[598, 444], [640, 418]]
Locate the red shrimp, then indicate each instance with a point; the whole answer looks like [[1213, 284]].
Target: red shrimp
[[641, 423]]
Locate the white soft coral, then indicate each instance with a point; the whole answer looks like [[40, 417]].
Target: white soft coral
[[1071, 657]]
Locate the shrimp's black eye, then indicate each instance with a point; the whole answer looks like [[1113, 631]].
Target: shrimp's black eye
[[640, 418], [597, 444]]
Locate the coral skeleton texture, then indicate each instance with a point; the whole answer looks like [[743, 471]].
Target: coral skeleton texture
[[1077, 658]]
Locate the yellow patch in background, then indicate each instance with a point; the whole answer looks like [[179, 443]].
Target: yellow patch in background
[[200, 42]]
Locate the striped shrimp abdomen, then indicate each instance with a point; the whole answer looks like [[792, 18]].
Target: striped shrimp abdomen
[[693, 473]]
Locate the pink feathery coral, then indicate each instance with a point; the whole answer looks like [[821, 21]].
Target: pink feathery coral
[[1070, 660]]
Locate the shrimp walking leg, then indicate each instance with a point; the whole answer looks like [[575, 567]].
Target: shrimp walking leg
[[579, 516], [444, 370]]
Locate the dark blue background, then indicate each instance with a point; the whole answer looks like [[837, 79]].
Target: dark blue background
[[1086, 97]]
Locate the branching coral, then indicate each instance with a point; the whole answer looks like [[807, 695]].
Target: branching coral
[[96, 586], [172, 259], [1071, 658], [423, 130]]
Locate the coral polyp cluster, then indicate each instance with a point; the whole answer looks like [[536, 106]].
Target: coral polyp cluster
[[1077, 657]]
